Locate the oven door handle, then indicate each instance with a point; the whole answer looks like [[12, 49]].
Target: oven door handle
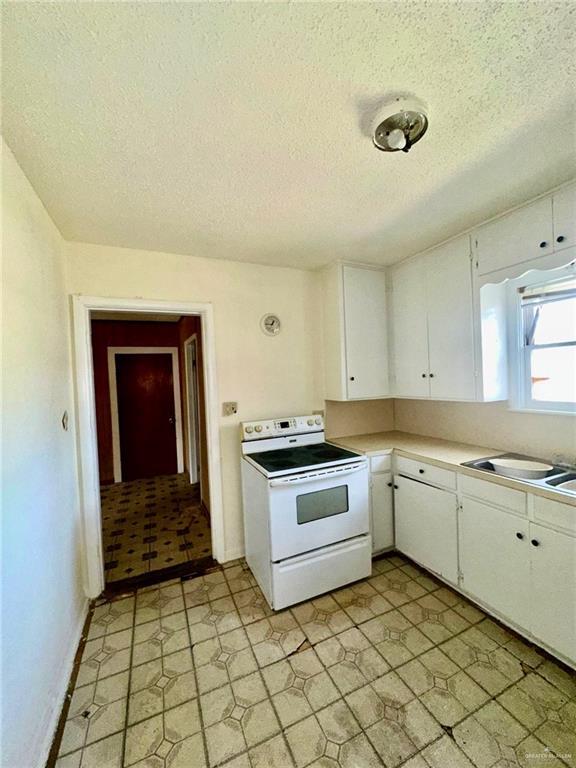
[[327, 474]]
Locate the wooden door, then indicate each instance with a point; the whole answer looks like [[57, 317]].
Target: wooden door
[[495, 559], [553, 589], [366, 332], [410, 330], [146, 417], [425, 523], [450, 330]]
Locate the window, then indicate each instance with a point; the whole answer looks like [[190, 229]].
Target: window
[[547, 378]]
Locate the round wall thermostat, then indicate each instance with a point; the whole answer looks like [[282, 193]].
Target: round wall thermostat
[[271, 325]]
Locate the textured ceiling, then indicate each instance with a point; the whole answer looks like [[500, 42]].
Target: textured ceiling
[[240, 130]]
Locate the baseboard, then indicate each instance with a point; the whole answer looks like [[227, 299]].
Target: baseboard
[[232, 554], [52, 716]]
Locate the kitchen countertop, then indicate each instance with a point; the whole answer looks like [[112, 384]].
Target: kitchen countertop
[[443, 453]]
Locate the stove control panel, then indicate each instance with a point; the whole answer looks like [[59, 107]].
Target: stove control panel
[[291, 425]]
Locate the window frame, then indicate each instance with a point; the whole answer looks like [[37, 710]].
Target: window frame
[[519, 353]]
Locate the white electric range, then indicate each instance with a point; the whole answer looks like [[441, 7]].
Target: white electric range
[[306, 510]]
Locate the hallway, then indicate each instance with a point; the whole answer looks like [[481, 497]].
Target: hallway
[[152, 524]]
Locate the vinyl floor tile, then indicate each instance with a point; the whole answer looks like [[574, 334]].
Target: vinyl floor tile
[[396, 671]]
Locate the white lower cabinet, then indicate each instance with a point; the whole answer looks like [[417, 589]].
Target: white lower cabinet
[[523, 571], [426, 528], [494, 559], [553, 589], [381, 500]]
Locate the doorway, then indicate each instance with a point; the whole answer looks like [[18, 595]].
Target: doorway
[[153, 519]]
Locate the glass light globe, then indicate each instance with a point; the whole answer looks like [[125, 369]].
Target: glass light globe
[[396, 139]]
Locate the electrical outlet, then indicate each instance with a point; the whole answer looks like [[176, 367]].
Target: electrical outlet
[[229, 409]]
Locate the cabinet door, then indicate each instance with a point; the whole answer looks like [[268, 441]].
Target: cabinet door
[[425, 522], [450, 321], [495, 559], [410, 329], [382, 511], [564, 206], [520, 236], [553, 589], [366, 332]]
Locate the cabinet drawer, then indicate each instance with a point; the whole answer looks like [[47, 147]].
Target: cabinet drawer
[[381, 463], [555, 513], [508, 498], [428, 473]]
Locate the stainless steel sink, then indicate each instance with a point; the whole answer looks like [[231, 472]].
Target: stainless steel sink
[[562, 479], [565, 482]]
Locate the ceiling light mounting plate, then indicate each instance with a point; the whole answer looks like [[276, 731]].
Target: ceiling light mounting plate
[[399, 124]]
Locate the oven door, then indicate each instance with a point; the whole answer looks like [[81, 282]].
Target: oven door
[[318, 508]]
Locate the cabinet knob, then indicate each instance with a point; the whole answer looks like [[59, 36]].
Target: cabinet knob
[[560, 239], [519, 535], [396, 487], [352, 378], [421, 471], [423, 375], [543, 244], [535, 543], [431, 375], [389, 485]]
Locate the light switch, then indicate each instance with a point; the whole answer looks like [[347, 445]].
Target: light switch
[[229, 409]]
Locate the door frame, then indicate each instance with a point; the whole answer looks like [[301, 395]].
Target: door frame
[[89, 481], [192, 413], [116, 452]]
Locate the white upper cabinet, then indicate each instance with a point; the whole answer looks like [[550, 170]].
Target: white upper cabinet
[[432, 324], [355, 333], [450, 321], [520, 236], [410, 330], [564, 208]]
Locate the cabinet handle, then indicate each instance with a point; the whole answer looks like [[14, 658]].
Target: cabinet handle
[[535, 543], [519, 535], [543, 244], [421, 471], [560, 239]]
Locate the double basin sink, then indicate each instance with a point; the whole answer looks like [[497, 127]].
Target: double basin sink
[[528, 470]]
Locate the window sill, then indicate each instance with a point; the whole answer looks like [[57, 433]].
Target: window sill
[[541, 411]]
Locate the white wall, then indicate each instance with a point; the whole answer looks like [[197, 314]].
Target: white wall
[[545, 436], [268, 376], [43, 605]]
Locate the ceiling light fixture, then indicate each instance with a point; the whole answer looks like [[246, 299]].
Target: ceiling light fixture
[[399, 124]]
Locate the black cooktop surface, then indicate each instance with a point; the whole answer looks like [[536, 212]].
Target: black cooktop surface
[[301, 456]]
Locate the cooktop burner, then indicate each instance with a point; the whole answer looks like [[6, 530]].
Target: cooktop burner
[[301, 456]]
